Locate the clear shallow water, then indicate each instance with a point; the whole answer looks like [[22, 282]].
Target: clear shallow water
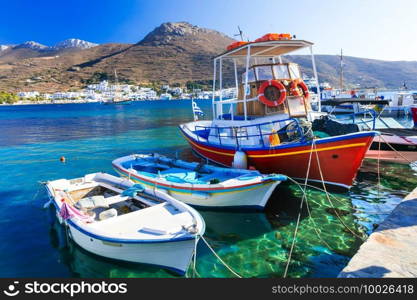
[[32, 138]]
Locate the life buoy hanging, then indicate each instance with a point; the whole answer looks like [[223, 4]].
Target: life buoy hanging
[[272, 102], [294, 88]]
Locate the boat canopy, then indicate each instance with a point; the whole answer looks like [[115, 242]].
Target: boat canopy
[[253, 53], [266, 49]]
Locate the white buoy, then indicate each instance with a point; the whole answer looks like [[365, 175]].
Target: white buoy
[[240, 160]]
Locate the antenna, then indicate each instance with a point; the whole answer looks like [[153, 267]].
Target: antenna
[[341, 69], [240, 33]]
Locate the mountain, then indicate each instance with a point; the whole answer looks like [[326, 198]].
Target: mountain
[[74, 43], [4, 47], [172, 53], [31, 45], [363, 71]]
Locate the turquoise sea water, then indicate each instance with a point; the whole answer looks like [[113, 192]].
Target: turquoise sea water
[[33, 137]]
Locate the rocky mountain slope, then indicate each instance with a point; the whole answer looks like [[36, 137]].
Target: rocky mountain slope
[[171, 53]]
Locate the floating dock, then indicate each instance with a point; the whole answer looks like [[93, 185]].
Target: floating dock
[[391, 250]]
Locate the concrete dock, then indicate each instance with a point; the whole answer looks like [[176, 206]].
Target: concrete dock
[[391, 250]]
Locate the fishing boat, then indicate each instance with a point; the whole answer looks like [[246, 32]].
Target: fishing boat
[[394, 143], [115, 218], [200, 184], [269, 122]]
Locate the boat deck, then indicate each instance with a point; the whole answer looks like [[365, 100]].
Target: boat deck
[[157, 222], [391, 250]]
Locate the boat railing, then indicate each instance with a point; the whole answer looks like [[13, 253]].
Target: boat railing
[[225, 134], [355, 120]]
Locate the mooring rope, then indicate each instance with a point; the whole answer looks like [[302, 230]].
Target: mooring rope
[[406, 159], [219, 258], [309, 213], [331, 203], [299, 213], [195, 258], [378, 169], [36, 194]]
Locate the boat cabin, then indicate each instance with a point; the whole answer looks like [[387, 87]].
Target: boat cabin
[[285, 73], [270, 94], [268, 87]]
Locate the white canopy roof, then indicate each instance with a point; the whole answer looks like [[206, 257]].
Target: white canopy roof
[[266, 49]]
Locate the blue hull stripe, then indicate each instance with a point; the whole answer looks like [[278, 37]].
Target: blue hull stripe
[[189, 190], [285, 146], [123, 241]]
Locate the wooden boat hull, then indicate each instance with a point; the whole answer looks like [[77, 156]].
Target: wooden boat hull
[[340, 157], [252, 194], [173, 253], [175, 256]]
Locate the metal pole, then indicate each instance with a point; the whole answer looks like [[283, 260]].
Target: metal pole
[[221, 86], [341, 70], [214, 89], [315, 76], [237, 88], [246, 83]]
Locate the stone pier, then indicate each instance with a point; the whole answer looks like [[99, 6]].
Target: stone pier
[[391, 250]]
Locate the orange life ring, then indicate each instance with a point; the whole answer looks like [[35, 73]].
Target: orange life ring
[[295, 84], [278, 85]]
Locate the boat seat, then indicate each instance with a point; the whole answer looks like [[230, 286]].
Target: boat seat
[[179, 173], [91, 202], [109, 213]]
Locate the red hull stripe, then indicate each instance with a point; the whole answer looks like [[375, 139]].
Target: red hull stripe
[[277, 154]]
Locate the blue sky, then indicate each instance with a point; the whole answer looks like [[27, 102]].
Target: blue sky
[[380, 29]]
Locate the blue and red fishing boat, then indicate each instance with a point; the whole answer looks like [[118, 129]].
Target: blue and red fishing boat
[[270, 126]]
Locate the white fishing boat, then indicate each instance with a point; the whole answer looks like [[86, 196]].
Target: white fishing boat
[[200, 185], [115, 218]]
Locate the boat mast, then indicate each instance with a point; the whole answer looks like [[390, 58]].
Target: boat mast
[[313, 62], [341, 69]]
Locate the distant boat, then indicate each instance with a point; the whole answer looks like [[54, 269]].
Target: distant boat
[[197, 184], [116, 102], [114, 218], [165, 96]]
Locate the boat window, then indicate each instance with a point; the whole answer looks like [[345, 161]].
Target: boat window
[[251, 76], [264, 73], [294, 71], [281, 72]]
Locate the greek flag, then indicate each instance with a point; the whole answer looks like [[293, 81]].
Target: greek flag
[[196, 110]]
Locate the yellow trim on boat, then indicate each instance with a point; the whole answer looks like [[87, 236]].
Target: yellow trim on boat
[[279, 154], [191, 192], [308, 151]]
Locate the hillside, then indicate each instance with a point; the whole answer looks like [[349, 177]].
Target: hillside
[[171, 53], [363, 71]]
